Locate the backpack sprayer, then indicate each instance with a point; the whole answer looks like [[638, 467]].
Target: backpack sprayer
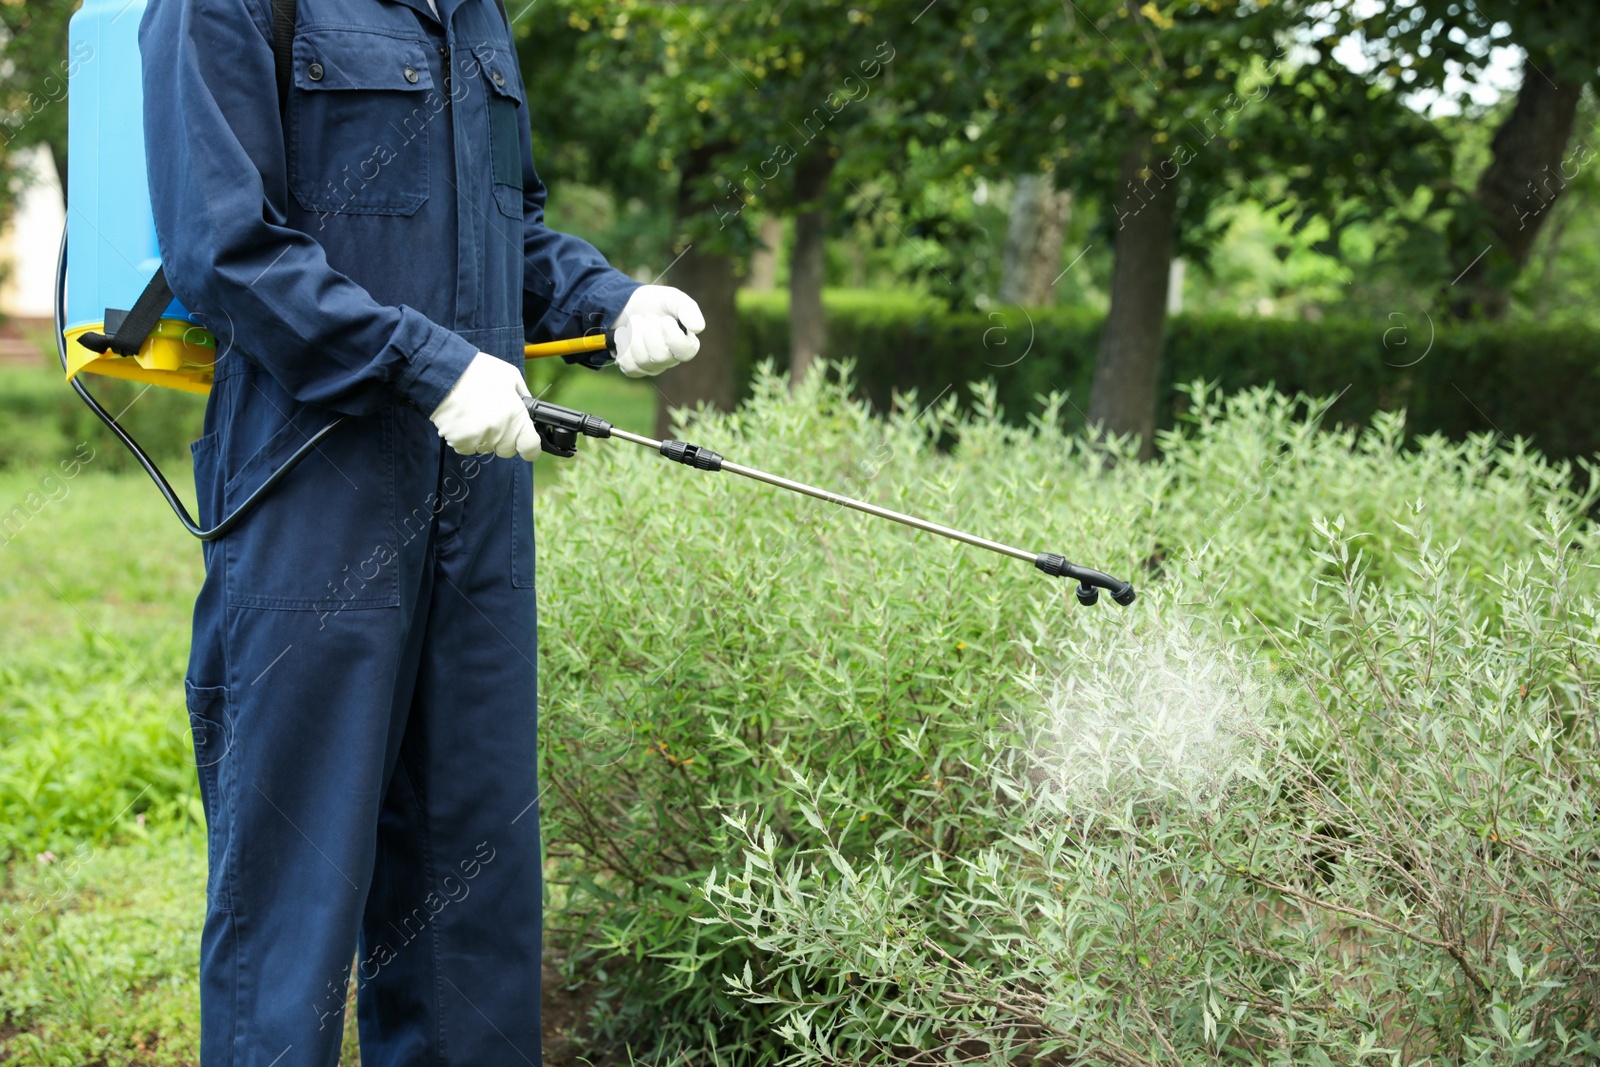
[[120, 319]]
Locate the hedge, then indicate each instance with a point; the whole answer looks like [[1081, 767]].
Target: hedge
[[43, 421], [1542, 383]]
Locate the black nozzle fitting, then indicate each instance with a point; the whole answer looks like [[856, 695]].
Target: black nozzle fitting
[[702, 459], [559, 427], [558, 441], [1090, 582], [100, 342]]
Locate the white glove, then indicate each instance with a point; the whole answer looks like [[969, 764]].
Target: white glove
[[656, 330], [484, 412]]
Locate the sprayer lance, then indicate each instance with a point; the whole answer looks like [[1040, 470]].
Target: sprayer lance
[[560, 427]]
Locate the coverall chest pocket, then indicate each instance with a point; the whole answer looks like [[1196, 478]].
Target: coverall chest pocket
[[506, 119], [360, 122]]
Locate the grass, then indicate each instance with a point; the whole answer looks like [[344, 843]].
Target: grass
[[97, 955], [103, 894]]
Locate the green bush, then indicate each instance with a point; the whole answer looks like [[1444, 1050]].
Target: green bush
[[819, 788], [1189, 866], [42, 421], [31, 434], [1540, 383]]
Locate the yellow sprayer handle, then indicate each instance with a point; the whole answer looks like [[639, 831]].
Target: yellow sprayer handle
[[593, 343]]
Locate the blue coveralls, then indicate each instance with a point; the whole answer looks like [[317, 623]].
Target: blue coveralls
[[362, 679]]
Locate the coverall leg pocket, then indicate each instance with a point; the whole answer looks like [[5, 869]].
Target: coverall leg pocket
[[522, 547], [213, 744]]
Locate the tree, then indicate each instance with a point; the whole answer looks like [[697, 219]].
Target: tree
[[808, 262], [1127, 369], [776, 104], [1425, 44], [1525, 177], [1038, 225], [716, 109], [1163, 112], [34, 69], [807, 84]]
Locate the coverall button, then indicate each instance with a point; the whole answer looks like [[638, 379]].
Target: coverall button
[[411, 76], [499, 79], [314, 72]]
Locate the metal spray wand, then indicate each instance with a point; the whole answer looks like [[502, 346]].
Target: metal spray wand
[[560, 427]]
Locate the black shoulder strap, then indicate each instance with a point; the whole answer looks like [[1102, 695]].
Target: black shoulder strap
[[501, 4], [284, 13]]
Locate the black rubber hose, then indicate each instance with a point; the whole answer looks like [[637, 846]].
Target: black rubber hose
[[228, 522]]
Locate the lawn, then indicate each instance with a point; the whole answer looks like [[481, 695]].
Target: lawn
[[105, 881]]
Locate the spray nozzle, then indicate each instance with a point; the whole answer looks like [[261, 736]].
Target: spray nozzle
[[559, 427], [1090, 582]]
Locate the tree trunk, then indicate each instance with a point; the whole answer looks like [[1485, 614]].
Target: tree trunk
[[1127, 369], [1528, 169], [1552, 254], [808, 262], [709, 277], [1038, 226], [764, 260]]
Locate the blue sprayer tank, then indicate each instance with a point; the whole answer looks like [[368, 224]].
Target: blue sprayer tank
[[111, 234]]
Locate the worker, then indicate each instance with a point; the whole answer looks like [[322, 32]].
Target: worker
[[362, 677]]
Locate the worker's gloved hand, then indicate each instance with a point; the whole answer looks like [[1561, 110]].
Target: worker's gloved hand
[[656, 330], [484, 411]]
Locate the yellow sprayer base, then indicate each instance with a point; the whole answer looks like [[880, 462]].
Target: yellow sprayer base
[[177, 355], [180, 355]]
